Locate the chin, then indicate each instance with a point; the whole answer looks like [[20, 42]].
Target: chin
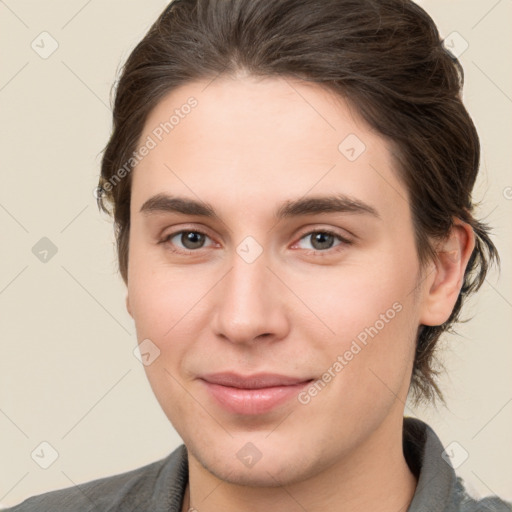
[[281, 466]]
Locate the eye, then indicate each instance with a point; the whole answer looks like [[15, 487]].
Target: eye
[[190, 240], [323, 240]]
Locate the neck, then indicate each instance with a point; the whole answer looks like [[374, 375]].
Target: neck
[[375, 476]]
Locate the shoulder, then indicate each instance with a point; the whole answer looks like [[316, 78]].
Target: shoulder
[[488, 504], [439, 488], [132, 490]]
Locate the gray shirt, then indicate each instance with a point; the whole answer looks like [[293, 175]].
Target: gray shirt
[[160, 486]]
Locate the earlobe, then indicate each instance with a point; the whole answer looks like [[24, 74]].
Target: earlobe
[[444, 284], [128, 306]]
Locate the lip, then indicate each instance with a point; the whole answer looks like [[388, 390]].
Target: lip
[[252, 394]]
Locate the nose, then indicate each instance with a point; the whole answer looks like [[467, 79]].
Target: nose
[[250, 303]]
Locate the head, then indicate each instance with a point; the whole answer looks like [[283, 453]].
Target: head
[[255, 111]]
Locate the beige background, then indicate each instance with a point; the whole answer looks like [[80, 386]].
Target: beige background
[[68, 375]]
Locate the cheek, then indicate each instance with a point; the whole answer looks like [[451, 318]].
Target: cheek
[[351, 299], [169, 307], [164, 307], [162, 303], [372, 314]]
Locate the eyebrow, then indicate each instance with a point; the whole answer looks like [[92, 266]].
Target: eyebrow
[[313, 205]]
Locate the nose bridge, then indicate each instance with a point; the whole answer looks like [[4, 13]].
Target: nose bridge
[[247, 306]]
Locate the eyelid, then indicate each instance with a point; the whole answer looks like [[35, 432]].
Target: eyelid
[[343, 234], [173, 231]]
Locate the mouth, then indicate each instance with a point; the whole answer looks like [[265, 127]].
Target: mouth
[[252, 394]]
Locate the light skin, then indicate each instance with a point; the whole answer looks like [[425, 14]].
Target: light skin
[[249, 147]]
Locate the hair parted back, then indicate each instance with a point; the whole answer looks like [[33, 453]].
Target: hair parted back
[[384, 56]]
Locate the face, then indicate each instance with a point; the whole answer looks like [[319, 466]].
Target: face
[[274, 276]]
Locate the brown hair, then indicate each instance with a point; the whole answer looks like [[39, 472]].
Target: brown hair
[[385, 56]]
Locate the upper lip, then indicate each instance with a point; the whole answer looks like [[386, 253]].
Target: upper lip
[[255, 381]]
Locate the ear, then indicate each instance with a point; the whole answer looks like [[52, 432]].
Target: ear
[[444, 281], [128, 305]]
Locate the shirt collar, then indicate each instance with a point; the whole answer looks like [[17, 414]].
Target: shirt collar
[[438, 486]]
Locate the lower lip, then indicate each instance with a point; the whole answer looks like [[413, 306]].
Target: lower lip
[[253, 401]]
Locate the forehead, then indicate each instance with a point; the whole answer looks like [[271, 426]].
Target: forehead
[[250, 139]]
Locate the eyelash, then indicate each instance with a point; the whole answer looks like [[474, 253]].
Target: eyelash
[[315, 252]]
